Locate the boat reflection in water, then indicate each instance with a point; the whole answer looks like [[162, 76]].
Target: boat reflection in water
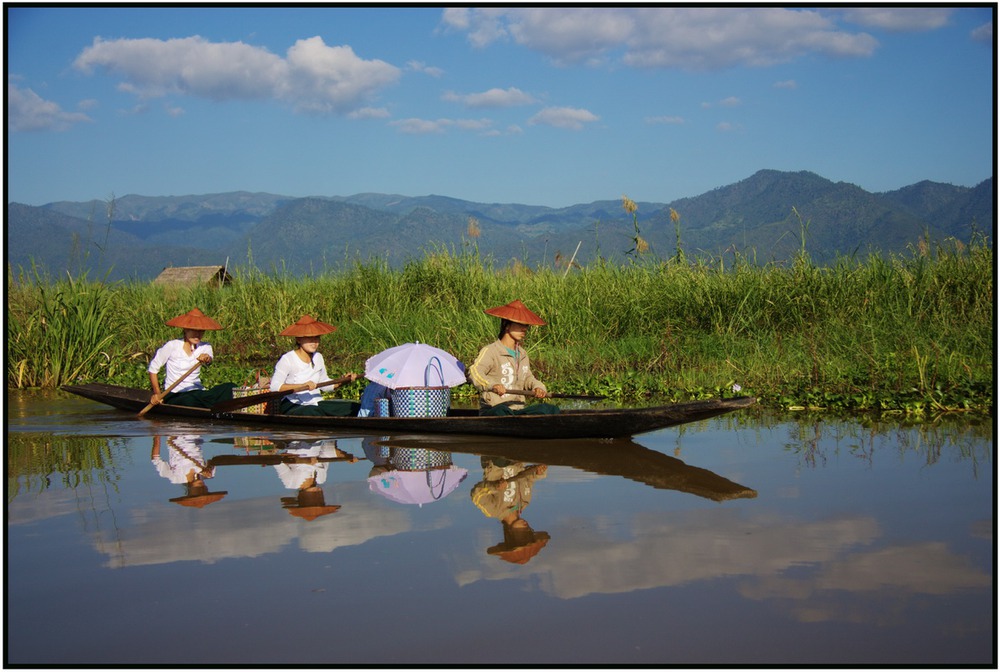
[[608, 457]]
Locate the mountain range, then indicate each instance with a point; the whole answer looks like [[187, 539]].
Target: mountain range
[[767, 217]]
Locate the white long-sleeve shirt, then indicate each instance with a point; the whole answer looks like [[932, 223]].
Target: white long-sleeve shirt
[[290, 370], [178, 363]]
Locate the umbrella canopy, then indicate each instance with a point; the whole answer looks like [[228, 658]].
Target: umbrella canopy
[[415, 365], [417, 487]]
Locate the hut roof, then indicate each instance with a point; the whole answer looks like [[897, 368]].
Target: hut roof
[[193, 275]]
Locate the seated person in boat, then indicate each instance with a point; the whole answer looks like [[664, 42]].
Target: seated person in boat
[[180, 356], [302, 368], [503, 365]]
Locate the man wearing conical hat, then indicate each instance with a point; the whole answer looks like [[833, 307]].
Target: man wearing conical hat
[[503, 365], [301, 369], [180, 356]]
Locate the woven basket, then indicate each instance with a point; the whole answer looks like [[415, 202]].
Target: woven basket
[[418, 459], [258, 383], [422, 402]]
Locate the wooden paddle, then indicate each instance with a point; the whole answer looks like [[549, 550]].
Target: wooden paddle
[[172, 386], [243, 402], [549, 395]]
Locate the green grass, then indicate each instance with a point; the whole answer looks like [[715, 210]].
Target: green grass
[[908, 334]]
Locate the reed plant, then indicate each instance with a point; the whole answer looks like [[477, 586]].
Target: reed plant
[[910, 333]]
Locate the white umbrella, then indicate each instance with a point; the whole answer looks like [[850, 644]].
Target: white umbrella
[[417, 487], [415, 365]]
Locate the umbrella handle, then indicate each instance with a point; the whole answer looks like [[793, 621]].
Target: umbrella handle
[[429, 367]]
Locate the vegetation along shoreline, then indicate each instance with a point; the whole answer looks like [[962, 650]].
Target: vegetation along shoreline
[[908, 334]]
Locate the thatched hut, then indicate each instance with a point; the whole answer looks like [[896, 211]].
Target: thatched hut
[[213, 276]]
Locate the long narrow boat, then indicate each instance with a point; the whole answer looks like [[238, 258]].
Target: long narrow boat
[[569, 424]]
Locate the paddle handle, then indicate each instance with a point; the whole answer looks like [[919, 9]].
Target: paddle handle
[[243, 402], [172, 386], [531, 393]]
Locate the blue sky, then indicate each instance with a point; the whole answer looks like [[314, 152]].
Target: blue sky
[[543, 106]]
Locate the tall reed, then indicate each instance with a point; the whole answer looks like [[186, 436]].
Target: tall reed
[[909, 332]]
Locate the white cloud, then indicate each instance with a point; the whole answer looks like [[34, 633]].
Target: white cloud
[[692, 38], [786, 84], [313, 77], [983, 33], [414, 126], [563, 117], [727, 127], [899, 19], [509, 97], [27, 111], [664, 120], [419, 66], [369, 113], [731, 101]]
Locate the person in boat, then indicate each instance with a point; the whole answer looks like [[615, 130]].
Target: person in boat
[[179, 356], [504, 493], [304, 365], [186, 465], [503, 365]]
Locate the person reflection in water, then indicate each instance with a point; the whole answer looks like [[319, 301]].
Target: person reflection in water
[[187, 466], [504, 493], [306, 477]]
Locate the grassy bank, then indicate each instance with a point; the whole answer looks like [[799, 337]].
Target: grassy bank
[[908, 333]]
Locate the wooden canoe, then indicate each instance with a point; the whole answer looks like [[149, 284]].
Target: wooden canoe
[[569, 424]]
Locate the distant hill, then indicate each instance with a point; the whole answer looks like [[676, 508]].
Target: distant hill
[[762, 217]]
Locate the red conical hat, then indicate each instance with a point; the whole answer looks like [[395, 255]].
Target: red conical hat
[[308, 326], [515, 311], [199, 501], [194, 319], [312, 512], [520, 554]]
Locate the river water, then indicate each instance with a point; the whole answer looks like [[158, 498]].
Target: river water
[[746, 539]]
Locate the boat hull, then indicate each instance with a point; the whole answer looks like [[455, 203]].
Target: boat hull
[[569, 424]]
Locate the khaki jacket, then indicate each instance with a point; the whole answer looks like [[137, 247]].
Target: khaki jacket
[[495, 365]]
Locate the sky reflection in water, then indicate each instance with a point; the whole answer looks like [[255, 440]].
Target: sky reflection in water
[[734, 540]]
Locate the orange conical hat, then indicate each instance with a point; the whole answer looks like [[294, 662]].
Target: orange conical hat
[[199, 501], [194, 319], [515, 311], [308, 326]]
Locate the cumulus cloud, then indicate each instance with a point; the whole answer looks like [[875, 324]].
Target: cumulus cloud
[[312, 77], [414, 126], [509, 97], [27, 111], [563, 117], [691, 38], [899, 19]]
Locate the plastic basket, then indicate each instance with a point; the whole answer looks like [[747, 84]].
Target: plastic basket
[[422, 402]]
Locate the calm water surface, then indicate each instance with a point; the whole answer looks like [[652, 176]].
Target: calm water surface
[[740, 540]]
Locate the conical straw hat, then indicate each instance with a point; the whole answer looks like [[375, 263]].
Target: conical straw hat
[[515, 311], [308, 326], [194, 319]]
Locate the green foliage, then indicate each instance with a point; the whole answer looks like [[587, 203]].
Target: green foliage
[[907, 333]]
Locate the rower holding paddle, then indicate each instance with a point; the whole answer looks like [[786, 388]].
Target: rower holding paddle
[[299, 370], [503, 365], [184, 357]]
